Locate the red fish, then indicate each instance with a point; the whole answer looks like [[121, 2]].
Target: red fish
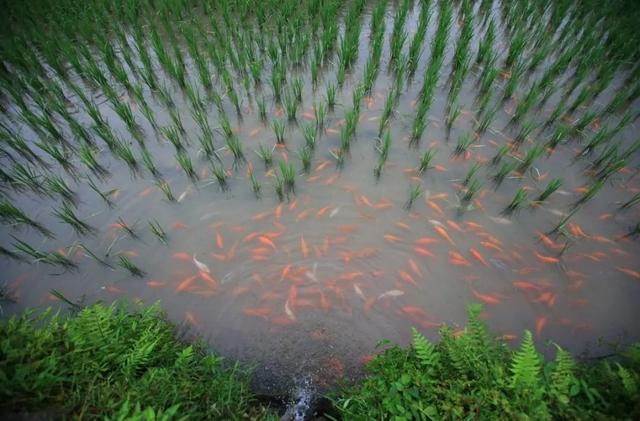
[[485, 298], [407, 278], [427, 240], [540, 324], [185, 283], [443, 233], [423, 252], [263, 312], [213, 284], [152, 283], [458, 259], [391, 238], [182, 256], [303, 246], [629, 272], [266, 241], [546, 259], [180, 226], [526, 286], [476, 254], [414, 266], [219, 240]]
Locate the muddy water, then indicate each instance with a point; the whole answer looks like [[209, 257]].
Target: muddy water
[[305, 288]]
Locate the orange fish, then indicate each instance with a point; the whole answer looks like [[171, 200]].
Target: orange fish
[[526, 286], [180, 226], [476, 254], [403, 226], [303, 246], [414, 267], [423, 252], [331, 179], [427, 240], [540, 324], [185, 283], [152, 283], [182, 256], [546, 259], [322, 165], [266, 241], [485, 298], [492, 246], [213, 284], [455, 226], [407, 278], [279, 211], [433, 205], [262, 312], [629, 272], [191, 318], [391, 238], [443, 233], [219, 240], [260, 216]]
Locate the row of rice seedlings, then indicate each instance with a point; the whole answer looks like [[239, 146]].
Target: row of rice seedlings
[[57, 185], [398, 34], [288, 178], [415, 48], [10, 214], [383, 149], [52, 258], [462, 55]]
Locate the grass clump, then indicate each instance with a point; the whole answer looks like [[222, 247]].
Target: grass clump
[[471, 375], [108, 362]]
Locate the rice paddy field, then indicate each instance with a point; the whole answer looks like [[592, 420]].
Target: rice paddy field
[[297, 180]]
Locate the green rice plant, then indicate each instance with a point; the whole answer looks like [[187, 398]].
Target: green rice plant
[[126, 263], [288, 176], [415, 48], [85, 153], [225, 126], [531, 156], [517, 71], [67, 216], [10, 214], [296, 89], [472, 188], [262, 108], [279, 128], [305, 154], [124, 152], [57, 185], [24, 176], [221, 177], [552, 186], [453, 114], [485, 47], [559, 135], [94, 256], [234, 145], [503, 171], [176, 119], [126, 115], [157, 230], [291, 106], [10, 254], [487, 119], [387, 111], [129, 229], [471, 173], [309, 133], [265, 154], [516, 203], [464, 142], [419, 126], [590, 193], [57, 153], [631, 202], [560, 227], [414, 192], [166, 189], [279, 187], [425, 161], [103, 195], [383, 149], [185, 162], [49, 258], [320, 113], [255, 184], [516, 48], [147, 160], [331, 96]]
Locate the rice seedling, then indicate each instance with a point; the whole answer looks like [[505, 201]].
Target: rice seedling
[[105, 196], [464, 142], [95, 257], [10, 254], [157, 230], [288, 174], [255, 184], [309, 133], [262, 108], [590, 193], [305, 154], [220, 177], [516, 203], [471, 173], [383, 149], [234, 145], [415, 48], [631, 202], [487, 119], [124, 152], [10, 214], [425, 161], [126, 263], [453, 114], [279, 187], [414, 192], [485, 47], [66, 215], [291, 106], [265, 154], [471, 189], [387, 111], [331, 96], [279, 128], [49, 258], [503, 171], [320, 113], [129, 229], [530, 157], [552, 186], [187, 166], [86, 155], [57, 185]]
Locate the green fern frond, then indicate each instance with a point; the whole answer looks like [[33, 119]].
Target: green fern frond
[[629, 380], [477, 328], [425, 350], [562, 376], [525, 366]]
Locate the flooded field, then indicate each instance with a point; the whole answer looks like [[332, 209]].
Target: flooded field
[[295, 190]]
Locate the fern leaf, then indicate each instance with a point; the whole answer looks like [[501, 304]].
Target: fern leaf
[[425, 350], [562, 376], [629, 380], [525, 367]]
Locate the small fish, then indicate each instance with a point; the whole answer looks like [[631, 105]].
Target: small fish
[[433, 205], [476, 254], [629, 272], [407, 278], [213, 284], [303, 246], [427, 240], [334, 212], [526, 286], [485, 298], [443, 233], [182, 256], [414, 267], [155, 284], [391, 293], [180, 226], [185, 283], [266, 241], [491, 246], [358, 291], [546, 259], [262, 312], [540, 324], [201, 266], [423, 252], [391, 238], [219, 240], [182, 196]]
